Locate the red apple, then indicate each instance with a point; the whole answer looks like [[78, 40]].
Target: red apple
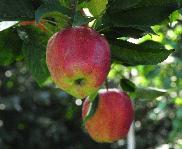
[[112, 118], [78, 59]]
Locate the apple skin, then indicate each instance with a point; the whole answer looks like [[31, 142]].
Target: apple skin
[[78, 59], [112, 118]]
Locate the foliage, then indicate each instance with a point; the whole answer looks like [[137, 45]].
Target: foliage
[[143, 35], [34, 48]]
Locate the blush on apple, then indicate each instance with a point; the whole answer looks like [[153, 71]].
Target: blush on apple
[[112, 118], [78, 59]]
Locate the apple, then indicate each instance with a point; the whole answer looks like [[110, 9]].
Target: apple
[[112, 118], [78, 59]]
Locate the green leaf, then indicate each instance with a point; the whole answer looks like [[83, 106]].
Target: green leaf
[[50, 7], [97, 7], [141, 16], [10, 46], [156, 2], [174, 16], [55, 21], [117, 5], [34, 50], [12, 10], [148, 53], [65, 3], [79, 19], [92, 109], [148, 93], [116, 32], [127, 85]]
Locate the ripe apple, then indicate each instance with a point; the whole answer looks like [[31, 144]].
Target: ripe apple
[[112, 118], [78, 59]]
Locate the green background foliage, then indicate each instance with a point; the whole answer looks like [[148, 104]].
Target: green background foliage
[[142, 35]]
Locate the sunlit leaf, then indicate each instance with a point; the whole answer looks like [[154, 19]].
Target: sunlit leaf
[[149, 93], [97, 7], [148, 53]]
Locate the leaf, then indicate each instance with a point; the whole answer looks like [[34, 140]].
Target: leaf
[[7, 24], [54, 22], [92, 109], [79, 19], [10, 46], [156, 2], [141, 16], [116, 32], [81, 1], [65, 3], [50, 7], [148, 93], [34, 50], [148, 53], [12, 10], [127, 85], [117, 5], [174, 16], [97, 7]]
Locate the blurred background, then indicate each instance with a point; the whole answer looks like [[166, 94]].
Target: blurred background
[[45, 117]]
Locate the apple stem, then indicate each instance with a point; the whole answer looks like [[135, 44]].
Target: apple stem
[[107, 84]]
